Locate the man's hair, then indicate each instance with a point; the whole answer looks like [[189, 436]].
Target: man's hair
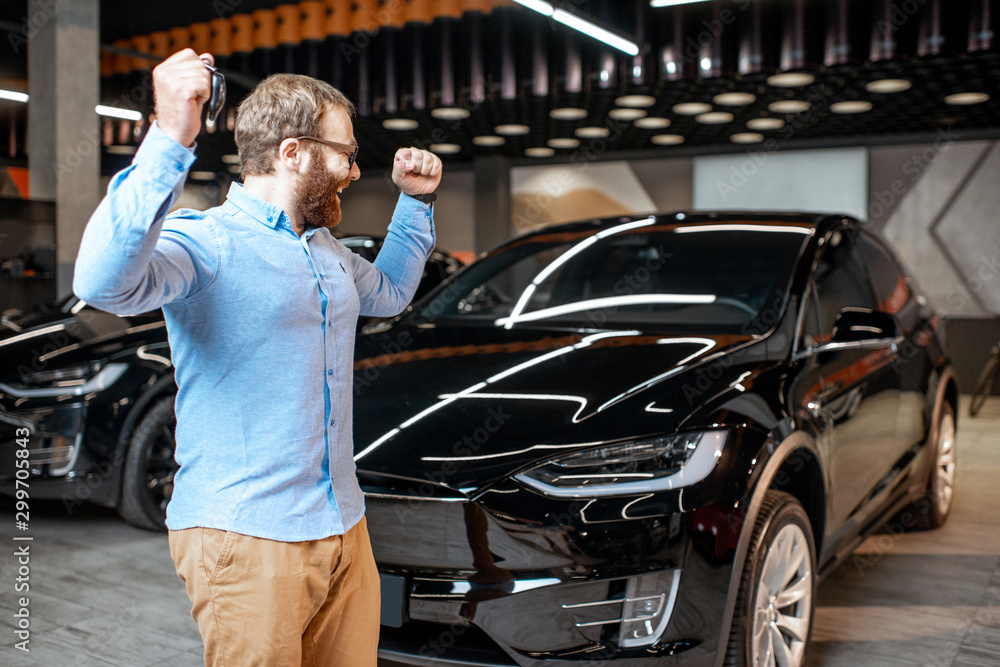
[[281, 106]]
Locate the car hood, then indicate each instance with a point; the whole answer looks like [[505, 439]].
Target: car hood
[[463, 407], [54, 338]]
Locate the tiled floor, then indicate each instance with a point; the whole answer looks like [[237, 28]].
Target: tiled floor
[[103, 593]]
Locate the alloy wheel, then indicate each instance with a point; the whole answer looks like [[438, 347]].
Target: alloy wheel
[[943, 482], [783, 602]]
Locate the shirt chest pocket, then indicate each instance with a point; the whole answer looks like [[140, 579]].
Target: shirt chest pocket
[[342, 294]]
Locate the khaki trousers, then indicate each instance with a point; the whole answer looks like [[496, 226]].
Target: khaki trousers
[[262, 602]]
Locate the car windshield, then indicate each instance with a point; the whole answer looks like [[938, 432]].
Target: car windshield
[[645, 274]]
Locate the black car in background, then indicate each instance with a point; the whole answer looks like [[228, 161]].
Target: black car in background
[[95, 392], [642, 441]]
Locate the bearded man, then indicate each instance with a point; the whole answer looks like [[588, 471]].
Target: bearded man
[[266, 520]]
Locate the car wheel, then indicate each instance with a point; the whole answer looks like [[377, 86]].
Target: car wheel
[[774, 608], [148, 477], [933, 510]]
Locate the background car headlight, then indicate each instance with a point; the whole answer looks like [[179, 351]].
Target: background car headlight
[[68, 381], [642, 466]]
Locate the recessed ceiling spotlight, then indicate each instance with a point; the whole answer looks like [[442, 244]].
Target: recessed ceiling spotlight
[[450, 113], [635, 101], [692, 108], [445, 149], [568, 113], [121, 149], [652, 123], [488, 140], [667, 139], [851, 106], [765, 124], [592, 132], [512, 129], [539, 151], [747, 138], [887, 86], [627, 114], [734, 99], [231, 158], [400, 124], [967, 98], [791, 79], [788, 106], [715, 118], [564, 142]]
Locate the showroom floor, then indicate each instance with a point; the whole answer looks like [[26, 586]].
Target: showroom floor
[[104, 593]]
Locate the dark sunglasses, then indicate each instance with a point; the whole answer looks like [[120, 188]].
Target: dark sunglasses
[[350, 151], [218, 97]]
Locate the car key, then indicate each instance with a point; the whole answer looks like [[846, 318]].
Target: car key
[[217, 98]]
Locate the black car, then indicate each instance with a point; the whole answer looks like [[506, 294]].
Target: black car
[[642, 441], [95, 392]]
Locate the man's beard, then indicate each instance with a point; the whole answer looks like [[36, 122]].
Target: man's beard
[[316, 195]]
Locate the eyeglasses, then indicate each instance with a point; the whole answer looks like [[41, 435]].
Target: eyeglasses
[[350, 151]]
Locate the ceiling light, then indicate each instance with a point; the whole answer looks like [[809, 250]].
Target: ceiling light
[[671, 3], [233, 168], [790, 79], [667, 139], [595, 31], [851, 106], [489, 140], [747, 138], [540, 7], [652, 123], [231, 158], [967, 98], [539, 151], [400, 124], [121, 149], [592, 132], [887, 86], [561, 142], [116, 112], [765, 124], [788, 106], [715, 118], [734, 99], [512, 129], [627, 114], [445, 149], [13, 95], [635, 101], [568, 113], [201, 175], [692, 108], [450, 113]]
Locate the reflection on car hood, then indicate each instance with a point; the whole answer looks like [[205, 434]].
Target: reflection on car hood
[[464, 407], [54, 338]]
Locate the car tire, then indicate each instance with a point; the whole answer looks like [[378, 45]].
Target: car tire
[[932, 510], [148, 477], [776, 599]]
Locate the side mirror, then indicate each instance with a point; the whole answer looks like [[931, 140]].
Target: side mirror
[[860, 325]]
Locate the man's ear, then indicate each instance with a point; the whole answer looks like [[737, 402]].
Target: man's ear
[[290, 155]]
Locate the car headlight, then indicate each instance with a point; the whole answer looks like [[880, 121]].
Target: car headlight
[[68, 381], [641, 466]]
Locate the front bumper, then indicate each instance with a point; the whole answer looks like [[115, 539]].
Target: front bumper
[[516, 579]]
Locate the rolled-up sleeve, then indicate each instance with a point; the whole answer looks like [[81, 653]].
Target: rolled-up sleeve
[[125, 265], [387, 286]]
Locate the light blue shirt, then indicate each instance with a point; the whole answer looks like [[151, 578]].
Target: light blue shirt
[[261, 325]]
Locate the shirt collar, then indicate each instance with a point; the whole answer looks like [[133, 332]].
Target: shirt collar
[[258, 209]]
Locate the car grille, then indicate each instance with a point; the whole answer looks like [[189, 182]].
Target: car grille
[[53, 442]]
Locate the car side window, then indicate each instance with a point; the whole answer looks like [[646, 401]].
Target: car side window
[[840, 282], [891, 287]]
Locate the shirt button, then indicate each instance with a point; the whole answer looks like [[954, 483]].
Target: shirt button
[[332, 422], [270, 219], [329, 372]]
